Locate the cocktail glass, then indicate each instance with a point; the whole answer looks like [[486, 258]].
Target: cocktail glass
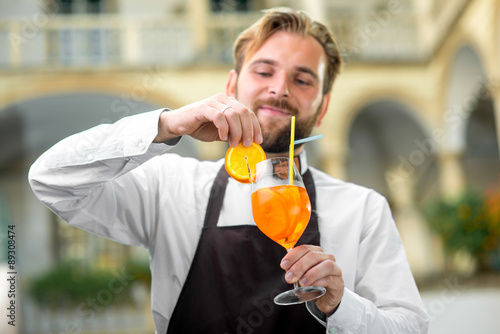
[[281, 209]]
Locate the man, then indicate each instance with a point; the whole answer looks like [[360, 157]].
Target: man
[[213, 271]]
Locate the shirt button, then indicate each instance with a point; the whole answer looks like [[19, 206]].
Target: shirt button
[[90, 157], [333, 330], [141, 145]]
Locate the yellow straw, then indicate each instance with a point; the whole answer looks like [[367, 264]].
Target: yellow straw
[[290, 162]]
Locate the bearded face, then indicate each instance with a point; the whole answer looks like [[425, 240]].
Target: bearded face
[[283, 78], [276, 134]]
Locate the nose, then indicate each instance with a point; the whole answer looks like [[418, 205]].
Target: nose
[[279, 86]]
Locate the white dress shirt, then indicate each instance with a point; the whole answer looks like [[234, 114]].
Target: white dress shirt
[[113, 181]]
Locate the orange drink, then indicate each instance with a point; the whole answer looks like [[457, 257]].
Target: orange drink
[[282, 212]]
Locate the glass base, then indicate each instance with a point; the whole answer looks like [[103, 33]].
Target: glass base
[[299, 295]]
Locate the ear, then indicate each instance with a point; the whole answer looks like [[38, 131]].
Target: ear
[[231, 83], [323, 110]]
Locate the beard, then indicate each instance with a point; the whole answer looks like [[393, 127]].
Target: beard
[[276, 135]]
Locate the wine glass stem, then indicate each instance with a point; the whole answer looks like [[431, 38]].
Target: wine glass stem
[[296, 284]]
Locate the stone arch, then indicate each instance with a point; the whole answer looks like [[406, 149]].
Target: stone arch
[[470, 155], [391, 151], [41, 108], [388, 144], [364, 98], [341, 119], [497, 44], [481, 159], [466, 82], [34, 124]]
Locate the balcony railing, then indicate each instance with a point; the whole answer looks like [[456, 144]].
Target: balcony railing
[[377, 38], [95, 41], [117, 41]]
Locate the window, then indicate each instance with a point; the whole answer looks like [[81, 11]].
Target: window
[[230, 5], [80, 6]]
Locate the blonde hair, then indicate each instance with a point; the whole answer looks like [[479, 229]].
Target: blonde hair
[[298, 22]]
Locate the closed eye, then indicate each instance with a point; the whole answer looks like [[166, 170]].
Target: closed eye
[[302, 82], [264, 74]]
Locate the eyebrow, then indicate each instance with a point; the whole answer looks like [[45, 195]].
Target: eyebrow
[[303, 69]]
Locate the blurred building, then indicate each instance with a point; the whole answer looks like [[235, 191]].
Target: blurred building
[[414, 114]]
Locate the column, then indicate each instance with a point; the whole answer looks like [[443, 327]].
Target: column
[[198, 12], [494, 90], [317, 9], [423, 249], [451, 178]]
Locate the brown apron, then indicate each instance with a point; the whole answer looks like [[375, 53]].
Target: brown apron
[[235, 275]]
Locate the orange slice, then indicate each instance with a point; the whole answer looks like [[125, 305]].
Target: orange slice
[[237, 159]]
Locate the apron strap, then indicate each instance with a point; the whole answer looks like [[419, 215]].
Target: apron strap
[[216, 198], [311, 192]]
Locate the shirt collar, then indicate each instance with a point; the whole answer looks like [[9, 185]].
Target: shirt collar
[[302, 161]]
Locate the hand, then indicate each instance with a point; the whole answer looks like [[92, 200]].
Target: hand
[[310, 265], [205, 121]]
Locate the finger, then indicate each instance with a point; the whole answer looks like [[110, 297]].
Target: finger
[[323, 274], [227, 112], [328, 282], [296, 253], [299, 268], [250, 127], [311, 259], [222, 126], [215, 115], [233, 119], [247, 128], [240, 121], [205, 121], [257, 132]]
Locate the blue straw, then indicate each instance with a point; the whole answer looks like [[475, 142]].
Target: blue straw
[[305, 140]]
